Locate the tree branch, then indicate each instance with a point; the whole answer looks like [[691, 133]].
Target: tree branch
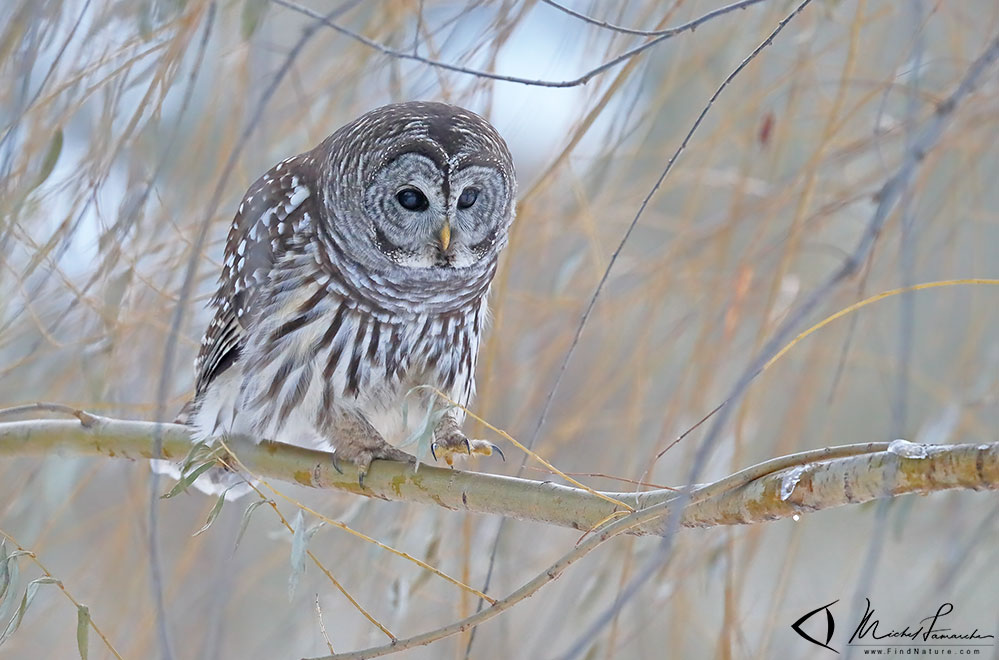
[[779, 488]]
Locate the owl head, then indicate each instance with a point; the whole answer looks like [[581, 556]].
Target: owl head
[[421, 190]]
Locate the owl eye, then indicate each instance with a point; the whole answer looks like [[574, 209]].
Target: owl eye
[[468, 197], [412, 199]]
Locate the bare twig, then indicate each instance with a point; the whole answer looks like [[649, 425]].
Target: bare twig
[[42, 406], [322, 626], [652, 33], [574, 82]]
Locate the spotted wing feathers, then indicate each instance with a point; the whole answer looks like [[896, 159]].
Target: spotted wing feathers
[[271, 221]]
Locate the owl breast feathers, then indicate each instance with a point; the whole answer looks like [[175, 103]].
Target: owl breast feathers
[[354, 273]]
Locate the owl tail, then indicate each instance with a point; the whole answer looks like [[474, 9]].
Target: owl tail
[[214, 481]]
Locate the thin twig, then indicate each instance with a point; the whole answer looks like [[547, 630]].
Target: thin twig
[[581, 80], [322, 626], [603, 475], [832, 317], [42, 406], [651, 33]]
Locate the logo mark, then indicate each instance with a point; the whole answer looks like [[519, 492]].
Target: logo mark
[[830, 626]]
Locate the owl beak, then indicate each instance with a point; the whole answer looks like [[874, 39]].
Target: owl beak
[[445, 235]]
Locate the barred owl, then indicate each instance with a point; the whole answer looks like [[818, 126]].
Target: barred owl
[[353, 273]]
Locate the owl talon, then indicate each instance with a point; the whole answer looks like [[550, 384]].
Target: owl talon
[[441, 451], [358, 443], [446, 453], [455, 445]]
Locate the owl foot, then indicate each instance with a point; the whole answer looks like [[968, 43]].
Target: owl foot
[[450, 441], [361, 450]]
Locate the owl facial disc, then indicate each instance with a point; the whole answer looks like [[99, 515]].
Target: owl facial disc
[[421, 192]]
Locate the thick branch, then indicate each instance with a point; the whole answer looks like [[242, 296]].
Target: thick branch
[[779, 488]]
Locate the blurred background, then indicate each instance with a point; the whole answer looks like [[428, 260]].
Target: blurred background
[[128, 127]]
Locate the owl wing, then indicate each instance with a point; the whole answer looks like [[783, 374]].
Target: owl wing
[[273, 215]]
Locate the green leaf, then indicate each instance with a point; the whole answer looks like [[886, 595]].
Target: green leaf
[[8, 577], [51, 158], [5, 574], [197, 454], [299, 544], [423, 435], [18, 553], [214, 513], [10, 569], [29, 595], [82, 630], [187, 480], [245, 521], [253, 11]]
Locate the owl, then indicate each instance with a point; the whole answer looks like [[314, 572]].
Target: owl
[[354, 273]]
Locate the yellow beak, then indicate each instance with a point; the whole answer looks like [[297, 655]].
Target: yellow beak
[[445, 235]]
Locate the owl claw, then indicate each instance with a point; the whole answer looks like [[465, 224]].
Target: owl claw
[[498, 451], [446, 453], [361, 455], [462, 446]]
